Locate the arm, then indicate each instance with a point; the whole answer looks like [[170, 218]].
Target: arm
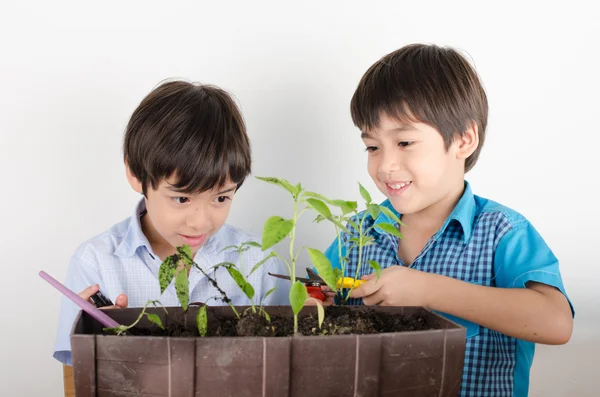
[[528, 301], [539, 313]]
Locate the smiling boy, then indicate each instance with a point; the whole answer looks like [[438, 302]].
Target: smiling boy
[[423, 113]]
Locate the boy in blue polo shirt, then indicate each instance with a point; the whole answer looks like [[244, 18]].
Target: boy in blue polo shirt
[[423, 113], [187, 152]]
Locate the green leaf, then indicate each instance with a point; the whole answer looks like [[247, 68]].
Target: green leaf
[[117, 330], [185, 251], [364, 193], [166, 272], [358, 241], [320, 312], [338, 273], [276, 229], [155, 319], [319, 219], [294, 190], [182, 287], [202, 320], [323, 266], [346, 206], [389, 228], [373, 210], [252, 244], [391, 214], [317, 196], [375, 266], [320, 207], [241, 282], [269, 292], [260, 263], [229, 247], [353, 224], [298, 295]]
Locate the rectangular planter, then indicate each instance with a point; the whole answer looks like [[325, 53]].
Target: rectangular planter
[[419, 363]]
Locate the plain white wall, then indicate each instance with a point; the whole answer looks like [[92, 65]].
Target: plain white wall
[[72, 73]]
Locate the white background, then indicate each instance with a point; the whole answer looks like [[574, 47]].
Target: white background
[[71, 74]]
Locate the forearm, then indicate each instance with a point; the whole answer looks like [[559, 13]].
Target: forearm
[[522, 313]]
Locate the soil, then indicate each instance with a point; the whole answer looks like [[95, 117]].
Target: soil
[[339, 320]]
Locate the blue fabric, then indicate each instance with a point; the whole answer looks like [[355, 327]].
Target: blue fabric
[[121, 260], [481, 242]]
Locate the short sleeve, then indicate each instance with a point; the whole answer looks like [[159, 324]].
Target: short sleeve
[[523, 256]]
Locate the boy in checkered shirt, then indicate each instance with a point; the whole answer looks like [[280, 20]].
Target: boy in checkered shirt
[[423, 112]]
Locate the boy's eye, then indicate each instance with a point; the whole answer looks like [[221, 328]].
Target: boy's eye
[[222, 199], [404, 143], [181, 200], [371, 149]]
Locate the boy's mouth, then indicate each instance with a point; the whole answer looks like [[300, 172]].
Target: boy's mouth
[[193, 241], [397, 188]]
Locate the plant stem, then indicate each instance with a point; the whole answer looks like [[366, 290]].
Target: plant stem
[[224, 298], [360, 247], [292, 256]]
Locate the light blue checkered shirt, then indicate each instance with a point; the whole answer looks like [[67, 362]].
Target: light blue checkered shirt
[[121, 260], [485, 243]]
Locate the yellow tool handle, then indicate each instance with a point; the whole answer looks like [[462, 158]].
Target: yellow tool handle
[[349, 282]]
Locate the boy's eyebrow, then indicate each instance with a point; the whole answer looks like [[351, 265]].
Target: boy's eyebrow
[[228, 190], [174, 189], [396, 130]]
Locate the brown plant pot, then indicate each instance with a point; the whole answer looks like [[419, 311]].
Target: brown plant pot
[[417, 363]]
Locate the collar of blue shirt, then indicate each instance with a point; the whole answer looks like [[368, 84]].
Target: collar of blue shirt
[[464, 213]]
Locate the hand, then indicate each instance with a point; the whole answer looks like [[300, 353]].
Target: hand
[[329, 298], [121, 302], [397, 286]]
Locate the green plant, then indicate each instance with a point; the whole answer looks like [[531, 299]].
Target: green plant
[[241, 279], [277, 228], [178, 266], [154, 318]]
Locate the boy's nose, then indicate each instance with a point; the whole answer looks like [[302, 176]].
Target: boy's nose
[[388, 164], [197, 218]]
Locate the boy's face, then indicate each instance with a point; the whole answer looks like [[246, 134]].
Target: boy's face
[[174, 218], [411, 166]]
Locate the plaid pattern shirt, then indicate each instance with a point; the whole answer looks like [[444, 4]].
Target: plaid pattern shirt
[[121, 261], [483, 243]]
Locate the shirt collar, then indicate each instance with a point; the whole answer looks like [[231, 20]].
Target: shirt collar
[[464, 213], [134, 236]]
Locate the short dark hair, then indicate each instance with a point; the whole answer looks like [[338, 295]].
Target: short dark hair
[[192, 131], [423, 83]]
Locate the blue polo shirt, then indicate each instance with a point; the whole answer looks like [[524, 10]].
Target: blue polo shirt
[[481, 242]]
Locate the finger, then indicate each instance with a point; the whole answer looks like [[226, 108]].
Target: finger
[[122, 301], [368, 288], [369, 276], [89, 291], [376, 299]]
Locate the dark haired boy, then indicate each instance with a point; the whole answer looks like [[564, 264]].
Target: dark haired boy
[[423, 113], [186, 151]]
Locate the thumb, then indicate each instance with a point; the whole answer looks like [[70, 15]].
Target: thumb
[[122, 301], [89, 291]]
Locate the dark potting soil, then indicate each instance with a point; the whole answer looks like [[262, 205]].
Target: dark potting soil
[[339, 320]]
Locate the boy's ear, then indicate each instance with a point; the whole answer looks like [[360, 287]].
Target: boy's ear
[[468, 142], [133, 181]]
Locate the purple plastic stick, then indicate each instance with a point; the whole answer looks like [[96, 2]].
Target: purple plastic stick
[[82, 303]]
